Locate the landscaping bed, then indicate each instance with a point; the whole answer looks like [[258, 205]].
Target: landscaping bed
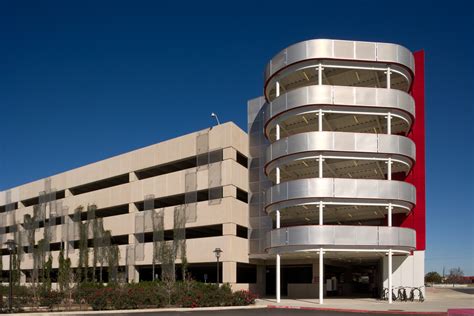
[[98, 296]]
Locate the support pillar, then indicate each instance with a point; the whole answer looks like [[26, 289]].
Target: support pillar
[[320, 120], [388, 78], [321, 213], [390, 208], [389, 123], [229, 272], [389, 169], [321, 275], [133, 274], [278, 271], [320, 74], [261, 280], [390, 285], [320, 164]]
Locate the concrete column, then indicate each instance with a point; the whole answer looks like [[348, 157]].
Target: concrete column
[[229, 272], [320, 120], [132, 208], [320, 74], [278, 271], [315, 278], [229, 191], [229, 153], [390, 269], [321, 206], [321, 276], [132, 177], [133, 274], [22, 278], [388, 78], [229, 229], [390, 208], [261, 280]]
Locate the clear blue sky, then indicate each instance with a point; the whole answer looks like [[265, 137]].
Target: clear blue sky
[[81, 81]]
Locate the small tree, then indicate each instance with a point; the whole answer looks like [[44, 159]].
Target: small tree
[[46, 279], [83, 264], [433, 277], [113, 257], [64, 272], [455, 276]]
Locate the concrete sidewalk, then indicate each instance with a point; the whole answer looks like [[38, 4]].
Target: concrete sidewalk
[[437, 300], [145, 311]]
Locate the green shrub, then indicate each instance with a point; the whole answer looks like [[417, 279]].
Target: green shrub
[[85, 292], [243, 297], [50, 298], [22, 296], [156, 294], [196, 294]]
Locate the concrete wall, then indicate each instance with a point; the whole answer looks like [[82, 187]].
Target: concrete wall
[[228, 210], [408, 271]]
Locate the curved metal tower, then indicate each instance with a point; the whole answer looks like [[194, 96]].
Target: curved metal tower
[[334, 153]]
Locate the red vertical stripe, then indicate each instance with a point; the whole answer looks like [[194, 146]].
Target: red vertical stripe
[[417, 217]]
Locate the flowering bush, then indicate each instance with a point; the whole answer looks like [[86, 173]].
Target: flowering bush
[[50, 298], [154, 294], [243, 297]]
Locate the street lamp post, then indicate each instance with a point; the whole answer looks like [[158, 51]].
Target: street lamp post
[[217, 252], [214, 115], [11, 247]]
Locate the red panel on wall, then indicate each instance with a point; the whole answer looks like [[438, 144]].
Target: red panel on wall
[[417, 218]]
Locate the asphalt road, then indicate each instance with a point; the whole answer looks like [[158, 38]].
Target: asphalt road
[[252, 312], [466, 290]]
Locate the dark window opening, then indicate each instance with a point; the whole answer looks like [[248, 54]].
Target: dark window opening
[[11, 229], [183, 164], [101, 184], [115, 240], [216, 156], [242, 195], [246, 273], [242, 232], [179, 199], [53, 196], [204, 231], [190, 233], [166, 168], [8, 207], [31, 201], [112, 211], [242, 160]]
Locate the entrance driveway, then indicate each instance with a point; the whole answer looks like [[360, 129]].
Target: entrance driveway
[[437, 300]]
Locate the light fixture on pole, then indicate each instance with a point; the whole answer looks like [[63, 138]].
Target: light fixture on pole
[[11, 244], [217, 252], [214, 115]]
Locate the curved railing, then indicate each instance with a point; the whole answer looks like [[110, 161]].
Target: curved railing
[[343, 50], [300, 238], [342, 142], [325, 95], [339, 189]]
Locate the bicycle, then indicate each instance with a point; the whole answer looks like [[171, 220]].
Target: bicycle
[[384, 296], [402, 294], [421, 298]]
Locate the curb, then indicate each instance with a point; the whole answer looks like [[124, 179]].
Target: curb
[[356, 311], [136, 311]]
